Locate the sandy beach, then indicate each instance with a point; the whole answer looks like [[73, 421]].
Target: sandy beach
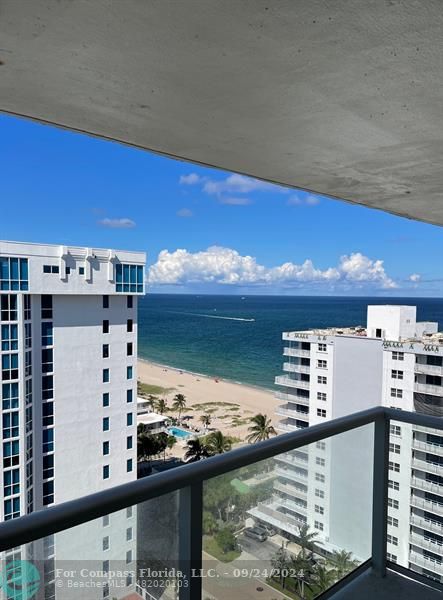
[[230, 404]]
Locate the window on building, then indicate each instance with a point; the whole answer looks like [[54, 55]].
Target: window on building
[[318, 525], [395, 448], [47, 334], [10, 422], [391, 557], [105, 448], [396, 374], [105, 566], [51, 269], [105, 543], [48, 466], [321, 412], [392, 540], [129, 396], [105, 399], [319, 493], [12, 508], [48, 492], [9, 395], [8, 307], [105, 326], [129, 579], [319, 509], [47, 414], [395, 430], [129, 557], [11, 453], [129, 419], [10, 337], [392, 522], [396, 393], [322, 379], [106, 472], [129, 534], [9, 366], [321, 396], [105, 351], [106, 591], [48, 440], [129, 301], [393, 485], [392, 503], [129, 349], [11, 482], [319, 477], [27, 307], [129, 442], [322, 364], [320, 461], [129, 512], [322, 348], [67, 271], [321, 445], [47, 360], [398, 355], [128, 372], [129, 465], [105, 375], [106, 521], [393, 466], [105, 423], [105, 301], [129, 325], [81, 270], [129, 278], [46, 307], [13, 274]]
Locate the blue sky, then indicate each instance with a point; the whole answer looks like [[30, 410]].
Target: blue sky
[[234, 235]]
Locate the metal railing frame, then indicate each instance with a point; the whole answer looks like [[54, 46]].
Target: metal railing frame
[[189, 479]]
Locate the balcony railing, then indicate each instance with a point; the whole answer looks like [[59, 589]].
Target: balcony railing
[[289, 382], [291, 489], [429, 369], [188, 483], [427, 447], [427, 388], [427, 486], [293, 398], [294, 368], [428, 466], [296, 352], [428, 505], [427, 524]]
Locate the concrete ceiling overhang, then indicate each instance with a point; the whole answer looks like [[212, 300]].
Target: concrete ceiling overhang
[[343, 98]]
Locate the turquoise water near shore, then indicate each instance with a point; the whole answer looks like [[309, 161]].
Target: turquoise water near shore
[[239, 338]]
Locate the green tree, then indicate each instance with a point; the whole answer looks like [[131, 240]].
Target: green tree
[[171, 441], [209, 523], [261, 429], [196, 450], [206, 420], [323, 577], [179, 404], [217, 443], [226, 539], [161, 405], [281, 563], [303, 568], [307, 540], [342, 562]]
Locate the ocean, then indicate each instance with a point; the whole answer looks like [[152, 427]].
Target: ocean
[[239, 338]]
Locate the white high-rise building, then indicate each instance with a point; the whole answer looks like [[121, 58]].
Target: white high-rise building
[[68, 384], [394, 361]]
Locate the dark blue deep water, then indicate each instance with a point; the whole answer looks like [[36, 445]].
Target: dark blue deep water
[[173, 329]]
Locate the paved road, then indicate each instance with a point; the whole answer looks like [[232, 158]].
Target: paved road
[[261, 550]]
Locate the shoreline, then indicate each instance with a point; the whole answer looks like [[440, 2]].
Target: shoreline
[[147, 361]]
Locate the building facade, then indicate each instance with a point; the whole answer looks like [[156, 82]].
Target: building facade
[[394, 361], [68, 384]]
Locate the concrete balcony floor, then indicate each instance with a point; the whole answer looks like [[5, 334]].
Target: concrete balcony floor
[[394, 586]]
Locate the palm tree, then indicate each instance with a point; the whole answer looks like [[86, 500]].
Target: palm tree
[[303, 567], [217, 443], [261, 429], [197, 450], [342, 562], [179, 404], [161, 405], [206, 420], [281, 563], [306, 540], [323, 577], [171, 441]]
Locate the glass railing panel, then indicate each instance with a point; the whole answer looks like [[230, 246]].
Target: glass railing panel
[[293, 525], [129, 554], [415, 499]]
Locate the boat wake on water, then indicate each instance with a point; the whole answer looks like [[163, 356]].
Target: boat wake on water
[[215, 316]]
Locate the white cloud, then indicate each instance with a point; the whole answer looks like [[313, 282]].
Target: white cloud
[[124, 223], [415, 277], [184, 212], [233, 201], [225, 266], [303, 200], [190, 179]]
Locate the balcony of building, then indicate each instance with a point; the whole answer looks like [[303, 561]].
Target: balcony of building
[[292, 382], [292, 398], [428, 446], [296, 352], [291, 367], [424, 368], [428, 388], [171, 505]]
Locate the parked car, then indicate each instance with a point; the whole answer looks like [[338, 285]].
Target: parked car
[[257, 533]]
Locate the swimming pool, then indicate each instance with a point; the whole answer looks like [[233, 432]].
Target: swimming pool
[[180, 433]]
